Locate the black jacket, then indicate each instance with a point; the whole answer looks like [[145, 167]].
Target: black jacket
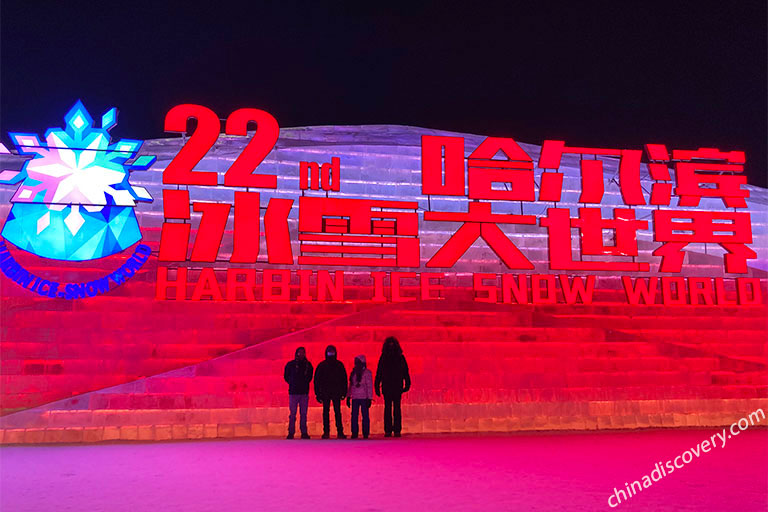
[[392, 375], [330, 379], [298, 375]]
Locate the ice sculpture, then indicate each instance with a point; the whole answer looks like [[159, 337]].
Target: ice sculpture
[[75, 201]]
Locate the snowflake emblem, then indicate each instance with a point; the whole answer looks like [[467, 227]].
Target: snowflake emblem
[[78, 181]]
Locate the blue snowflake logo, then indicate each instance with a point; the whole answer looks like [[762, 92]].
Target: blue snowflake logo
[[75, 201]]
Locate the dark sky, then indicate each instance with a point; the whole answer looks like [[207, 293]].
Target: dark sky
[[612, 74]]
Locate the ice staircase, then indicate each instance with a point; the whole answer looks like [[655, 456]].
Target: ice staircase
[[475, 368]]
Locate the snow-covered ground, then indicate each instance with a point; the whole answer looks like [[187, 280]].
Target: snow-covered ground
[[569, 472]]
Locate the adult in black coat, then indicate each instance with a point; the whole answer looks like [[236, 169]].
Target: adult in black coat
[[298, 375], [331, 388], [392, 380]]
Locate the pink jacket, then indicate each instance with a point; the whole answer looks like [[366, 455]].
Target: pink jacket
[[364, 390]]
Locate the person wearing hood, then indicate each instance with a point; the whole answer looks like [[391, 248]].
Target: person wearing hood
[[331, 387], [392, 380], [361, 395], [298, 375]]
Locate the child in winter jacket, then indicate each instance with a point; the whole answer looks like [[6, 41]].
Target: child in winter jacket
[[361, 395]]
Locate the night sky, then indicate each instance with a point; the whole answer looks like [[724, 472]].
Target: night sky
[[617, 74]]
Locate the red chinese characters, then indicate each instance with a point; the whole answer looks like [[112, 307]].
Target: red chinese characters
[[592, 177], [479, 190], [509, 178], [591, 224], [513, 175], [706, 172], [443, 174], [479, 222], [175, 236], [499, 169], [358, 232], [676, 229]]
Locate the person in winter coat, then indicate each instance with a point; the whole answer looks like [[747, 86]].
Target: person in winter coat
[[361, 395], [392, 380], [298, 375], [331, 387]]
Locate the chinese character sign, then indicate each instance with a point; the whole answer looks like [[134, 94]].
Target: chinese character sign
[[242, 206]]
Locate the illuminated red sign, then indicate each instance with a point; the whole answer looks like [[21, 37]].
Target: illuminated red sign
[[351, 232]]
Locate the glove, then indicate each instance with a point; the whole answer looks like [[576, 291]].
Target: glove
[[347, 401], [378, 391], [368, 403]]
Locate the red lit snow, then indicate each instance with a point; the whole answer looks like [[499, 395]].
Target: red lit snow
[[551, 472]]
